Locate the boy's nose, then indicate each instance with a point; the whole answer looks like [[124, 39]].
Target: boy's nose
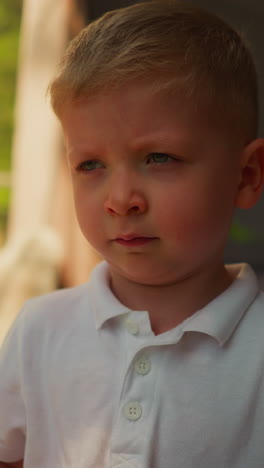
[[124, 197]]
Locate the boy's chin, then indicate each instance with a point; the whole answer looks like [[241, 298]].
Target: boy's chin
[[147, 275]]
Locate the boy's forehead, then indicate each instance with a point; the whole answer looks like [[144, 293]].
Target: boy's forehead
[[145, 108], [139, 98], [139, 105], [134, 118]]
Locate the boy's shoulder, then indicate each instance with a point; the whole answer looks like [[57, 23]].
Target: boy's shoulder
[[258, 304], [68, 300], [56, 310], [59, 301], [60, 297], [63, 311]]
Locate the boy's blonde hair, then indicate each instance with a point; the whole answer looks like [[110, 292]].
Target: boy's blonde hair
[[175, 46]]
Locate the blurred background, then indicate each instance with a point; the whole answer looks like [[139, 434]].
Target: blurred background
[[41, 246]]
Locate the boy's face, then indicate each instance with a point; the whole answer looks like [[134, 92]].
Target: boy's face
[[148, 165]]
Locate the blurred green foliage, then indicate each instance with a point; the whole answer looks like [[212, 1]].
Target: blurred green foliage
[[10, 17], [242, 234], [4, 202]]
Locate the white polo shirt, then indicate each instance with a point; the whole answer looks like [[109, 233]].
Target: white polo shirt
[[84, 382]]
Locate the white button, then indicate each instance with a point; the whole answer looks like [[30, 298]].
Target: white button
[[142, 365], [132, 410], [132, 327]]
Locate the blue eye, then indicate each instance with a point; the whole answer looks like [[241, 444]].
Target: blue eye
[[88, 166], [160, 158]]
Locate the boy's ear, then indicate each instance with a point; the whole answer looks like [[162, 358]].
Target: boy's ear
[[251, 174]]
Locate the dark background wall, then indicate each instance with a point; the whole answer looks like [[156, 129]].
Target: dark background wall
[[247, 234], [247, 242]]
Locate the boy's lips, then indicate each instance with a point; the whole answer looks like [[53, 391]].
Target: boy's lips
[[133, 239]]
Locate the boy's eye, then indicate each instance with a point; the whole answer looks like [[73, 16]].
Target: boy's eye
[[160, 158], [88, 165]]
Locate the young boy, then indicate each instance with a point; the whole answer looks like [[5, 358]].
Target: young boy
[[158, 360]]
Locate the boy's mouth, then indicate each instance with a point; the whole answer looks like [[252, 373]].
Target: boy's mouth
[[134, 240]]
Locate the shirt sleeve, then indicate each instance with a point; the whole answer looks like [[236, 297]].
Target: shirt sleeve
[[12, 410]]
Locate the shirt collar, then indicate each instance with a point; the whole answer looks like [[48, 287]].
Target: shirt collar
[[218, 319], [104, 303]]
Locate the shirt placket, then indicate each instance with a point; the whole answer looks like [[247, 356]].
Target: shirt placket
[[130, 439]]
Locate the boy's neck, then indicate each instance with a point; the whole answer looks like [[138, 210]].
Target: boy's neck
[[169, 305]]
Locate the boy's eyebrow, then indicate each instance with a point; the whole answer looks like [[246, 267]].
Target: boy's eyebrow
[[164, 137], [170, 141], [153, 139], [78, 153]]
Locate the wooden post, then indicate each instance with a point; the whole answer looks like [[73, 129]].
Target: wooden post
[[41, 189], [37, 139]]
